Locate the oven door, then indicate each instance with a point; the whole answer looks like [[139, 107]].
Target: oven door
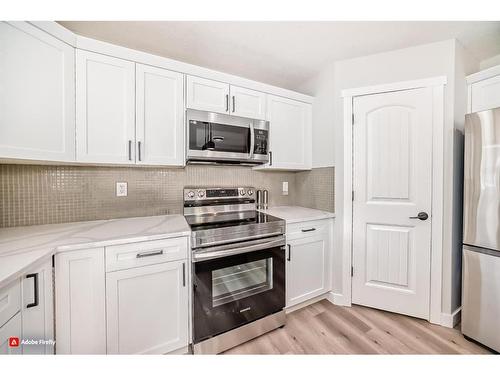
[[246, 284]]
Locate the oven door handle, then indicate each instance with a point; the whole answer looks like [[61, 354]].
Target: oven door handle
[[207, 255]]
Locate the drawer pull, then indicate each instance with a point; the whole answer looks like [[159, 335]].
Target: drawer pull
[[309, 230], [35, 287], [289, 253], [149, 253]]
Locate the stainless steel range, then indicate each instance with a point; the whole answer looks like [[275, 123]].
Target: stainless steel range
[[238, 259]]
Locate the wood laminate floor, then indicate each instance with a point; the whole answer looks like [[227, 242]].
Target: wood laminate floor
[[323, 328]]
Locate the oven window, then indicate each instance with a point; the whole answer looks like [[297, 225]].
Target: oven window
[[240, 281]]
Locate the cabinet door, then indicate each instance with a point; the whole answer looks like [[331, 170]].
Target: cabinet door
[[207, 95], [105, 109], [38, 309], [37, 106], [11, 329], [80, 302], [307, 268], [485, 94], [159, 116], [248, 103], [290, 133], [147, 309]]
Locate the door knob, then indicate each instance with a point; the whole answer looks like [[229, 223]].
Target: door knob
[[421, 216]]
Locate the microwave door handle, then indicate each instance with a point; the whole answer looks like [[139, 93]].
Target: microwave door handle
[[252, 140]]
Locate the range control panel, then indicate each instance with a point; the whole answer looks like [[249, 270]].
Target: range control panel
[[194, 193]]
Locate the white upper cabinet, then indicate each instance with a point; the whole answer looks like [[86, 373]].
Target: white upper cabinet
[[37, 105], [290, 125], [207, 95], [159, 116], [248, 103], [105, 109]]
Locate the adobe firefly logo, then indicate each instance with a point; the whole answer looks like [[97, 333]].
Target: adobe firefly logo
[[13, 342]]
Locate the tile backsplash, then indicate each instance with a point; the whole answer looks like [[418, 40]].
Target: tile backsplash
[[40, 194]]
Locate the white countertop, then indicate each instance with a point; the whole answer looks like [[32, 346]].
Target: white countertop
[[21, 247], [295, 214]]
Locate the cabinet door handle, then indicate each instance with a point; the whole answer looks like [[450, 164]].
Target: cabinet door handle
[[234, 104], [227, 103], [35, 287], [270, 158], [183, 274], [309, 230], [130, 150], [289, 253], [149, 254], [139, 150]]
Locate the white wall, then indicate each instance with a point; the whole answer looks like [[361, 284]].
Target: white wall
[[446, 58], [488, 63]]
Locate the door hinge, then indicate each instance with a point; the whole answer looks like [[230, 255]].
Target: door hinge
[[353, 195], [352, 271]]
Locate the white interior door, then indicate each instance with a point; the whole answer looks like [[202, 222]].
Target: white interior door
[[392, 182]]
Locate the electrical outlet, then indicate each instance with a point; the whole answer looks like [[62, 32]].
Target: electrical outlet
[[285, 187], [121, 189]]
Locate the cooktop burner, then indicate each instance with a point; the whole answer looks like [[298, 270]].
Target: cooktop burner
[[225, 215]]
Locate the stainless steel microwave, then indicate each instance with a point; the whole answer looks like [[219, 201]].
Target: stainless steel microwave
[[217, 138]]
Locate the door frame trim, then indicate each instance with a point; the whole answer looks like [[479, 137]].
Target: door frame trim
[[437, 84]]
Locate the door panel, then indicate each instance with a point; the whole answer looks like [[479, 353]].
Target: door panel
[[392, 181], [105, 109], [248, 103], [80, 302], [307, 268], [207, 95], [159, 116], [11, 329], [37, 106], [38, 321], [290, 133], [147, 309]]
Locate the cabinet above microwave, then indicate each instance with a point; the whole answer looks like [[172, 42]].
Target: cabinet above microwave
[[213, 96]]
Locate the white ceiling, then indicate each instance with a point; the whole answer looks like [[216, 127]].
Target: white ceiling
[[284, 54]]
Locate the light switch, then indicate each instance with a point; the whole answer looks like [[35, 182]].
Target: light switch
[[121, 189], [285, 187]]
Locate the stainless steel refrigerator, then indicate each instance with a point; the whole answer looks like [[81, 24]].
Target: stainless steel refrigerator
[[481, 243]]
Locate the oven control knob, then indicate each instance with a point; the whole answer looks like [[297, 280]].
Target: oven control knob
[[201, 193], [190, 194], [242, 192], [250, 192]]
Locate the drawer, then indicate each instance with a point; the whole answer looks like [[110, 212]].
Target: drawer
[[10, 301], [140, 254], [308, 228]]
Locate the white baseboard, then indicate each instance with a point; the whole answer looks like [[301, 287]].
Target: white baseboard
[[338, 299], [451, 320], [306, 303]]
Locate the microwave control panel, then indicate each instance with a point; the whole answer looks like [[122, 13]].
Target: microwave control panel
[[260, 145]]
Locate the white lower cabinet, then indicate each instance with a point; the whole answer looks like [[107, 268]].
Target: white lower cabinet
[[147, 309], [308, 270], [80, 302], [27, 313], [37, 310], [10, 329]]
